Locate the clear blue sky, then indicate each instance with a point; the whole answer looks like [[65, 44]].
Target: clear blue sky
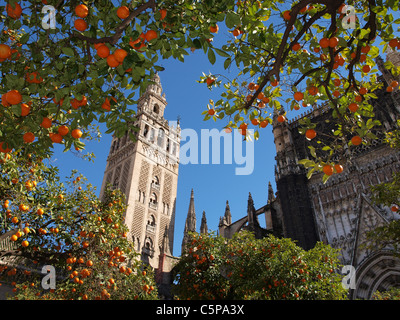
[[213, 184]]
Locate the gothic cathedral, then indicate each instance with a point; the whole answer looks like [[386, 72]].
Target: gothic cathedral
[[147, 172]]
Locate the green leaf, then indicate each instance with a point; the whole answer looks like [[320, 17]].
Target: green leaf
[[232, 19], [211, 56], [68, 51]]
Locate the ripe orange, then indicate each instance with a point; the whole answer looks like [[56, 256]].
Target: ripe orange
[[120, 55], [14, 237], [393, 43], [313, 90], [363, 90], [211, 112], [327, 169], [81, 10], [25, 109], [214, 29], [264, 123], [389, 89], [13, 97], [311, 134], [150, 35], [324, 43], [56, 137], [123, 12], [366, 68], [356, 140], [112, 61], [76, 133], [365, 49], [28, 137], [46, 123], [80, 25], [353, 107], [5, 51], [14, 11], [236, 32], [394, 83], [337, 82], [338, 168], [286, 15], [281, 118], [274, 83], [255, 122], [394, 208], [39, 211], [63, 130], [333, 42], [298, 96], [14, 220], [210, 81], [25, 243], [296, 47], [163, 13], [103, 51]]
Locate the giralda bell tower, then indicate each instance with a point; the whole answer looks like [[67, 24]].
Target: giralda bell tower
[[147, 172]]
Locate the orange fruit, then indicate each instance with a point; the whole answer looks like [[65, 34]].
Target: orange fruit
[[80, 25], [337, 82], [120, 55], [14, 237], [14, 11], [263, 123], [394, 83], [112, 61], [324, 43], [356, 140], [5, 51], [255, 122], [25, 109], [46, 123], [296, 47], [56, 137], [281, 118], [39, 211], [366, 68], [13, 97], [298, 96], [286, 15], [333, 42], [214, 29], [365, 49], [4, 147], [163, 13], [14, 220], [363, 90], [25, 243], [236, 32], [103, 51], [393, 43], [313, 90], [63, 130], [123, 12], [353, 107], [150, 35], [211, 112], [28, 137], [81, 10], [338, 168], [311, 134], [389, 89], [76, 133], [274, 83], [327, 169]]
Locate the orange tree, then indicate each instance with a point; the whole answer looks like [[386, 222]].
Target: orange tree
[[65, 226], [243, 267]]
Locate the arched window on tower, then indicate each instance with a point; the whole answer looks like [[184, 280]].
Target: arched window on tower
[[155, 183], [146, 130], [160, 139], [156, 109], [153, 201]]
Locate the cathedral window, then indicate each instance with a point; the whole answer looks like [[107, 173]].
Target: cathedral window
[[167, 145], [156, 109], [146, 130], [155, 183]]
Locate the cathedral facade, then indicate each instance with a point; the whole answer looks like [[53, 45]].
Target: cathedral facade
[[339, 212]]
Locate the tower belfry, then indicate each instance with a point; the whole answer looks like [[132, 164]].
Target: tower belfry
[[147, 172]]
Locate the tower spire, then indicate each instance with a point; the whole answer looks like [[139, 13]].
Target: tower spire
[[203, 226], [228, 215], [190, 225]]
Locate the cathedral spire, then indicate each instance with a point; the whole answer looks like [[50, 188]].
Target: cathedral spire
[[203, 226], [228, 215], [271, 196], [190, 225]]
